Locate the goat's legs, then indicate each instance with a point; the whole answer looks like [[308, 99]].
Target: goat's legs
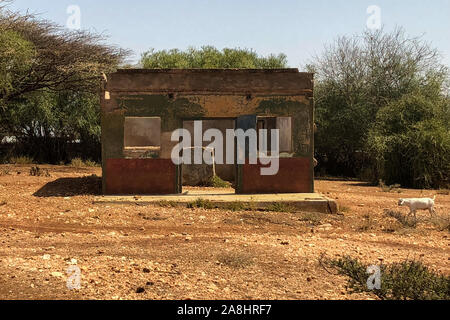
[[432, 211], [413, 212]]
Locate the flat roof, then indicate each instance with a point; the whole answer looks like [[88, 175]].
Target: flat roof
[[287, 70], [211, 81]]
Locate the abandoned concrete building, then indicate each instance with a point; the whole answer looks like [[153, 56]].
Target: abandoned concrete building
[[142, 108]]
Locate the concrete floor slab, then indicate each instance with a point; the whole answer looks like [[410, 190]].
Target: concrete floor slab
[[226, 198]]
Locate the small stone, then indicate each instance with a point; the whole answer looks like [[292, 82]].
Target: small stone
[[149, 283], [140, 290], [285, 243], [146, 270], [57, 274], [326, 226]]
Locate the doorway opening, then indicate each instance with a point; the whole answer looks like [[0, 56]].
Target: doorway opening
[[214, 177]]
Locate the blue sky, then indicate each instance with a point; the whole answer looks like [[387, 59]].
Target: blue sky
[[295, 27]]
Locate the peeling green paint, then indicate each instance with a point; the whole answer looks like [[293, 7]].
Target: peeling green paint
[[171, 111], [112, 139], [113, 134], [301, 121]]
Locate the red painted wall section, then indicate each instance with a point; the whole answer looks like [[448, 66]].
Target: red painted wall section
[[140, 177], [294, 176]]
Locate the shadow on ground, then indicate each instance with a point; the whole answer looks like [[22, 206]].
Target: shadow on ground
[[70, 187], [362, 184]]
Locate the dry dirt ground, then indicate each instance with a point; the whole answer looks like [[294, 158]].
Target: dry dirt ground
[[50, 223]]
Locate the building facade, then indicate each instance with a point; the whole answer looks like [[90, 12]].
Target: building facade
[[140, 109]]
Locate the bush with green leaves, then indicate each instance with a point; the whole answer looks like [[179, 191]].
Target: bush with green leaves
[[217, 182], [209, 57], [407, 280], [201, 203]]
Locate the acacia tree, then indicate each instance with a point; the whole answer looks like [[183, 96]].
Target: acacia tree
[[54, 58], [49, 84]]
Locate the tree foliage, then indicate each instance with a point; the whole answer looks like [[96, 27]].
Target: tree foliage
[[45, 122], [15, 59], [49, 83], [381, 105], [54, 58], [410, 141], [208, 57]]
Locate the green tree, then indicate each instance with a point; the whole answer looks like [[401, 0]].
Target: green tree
[[16, 56], [362, 82], [39, 55], [209, 57], [45, 122], [410, 141], [49, 83]]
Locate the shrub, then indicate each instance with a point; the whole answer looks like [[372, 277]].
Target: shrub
[[89, 163], [315, 218], [441, 223], [168, 204], [412, 223], [217, 182], [77, 163], [21, 160], [201, 203], [367, 224], [38, 172], [280, 207], [407, 280], [235, 260], [237, 206], [392, 188]]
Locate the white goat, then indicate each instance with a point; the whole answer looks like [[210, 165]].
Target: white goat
[[418, 204]]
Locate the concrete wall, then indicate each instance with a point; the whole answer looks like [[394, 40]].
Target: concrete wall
[[177, 96]]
